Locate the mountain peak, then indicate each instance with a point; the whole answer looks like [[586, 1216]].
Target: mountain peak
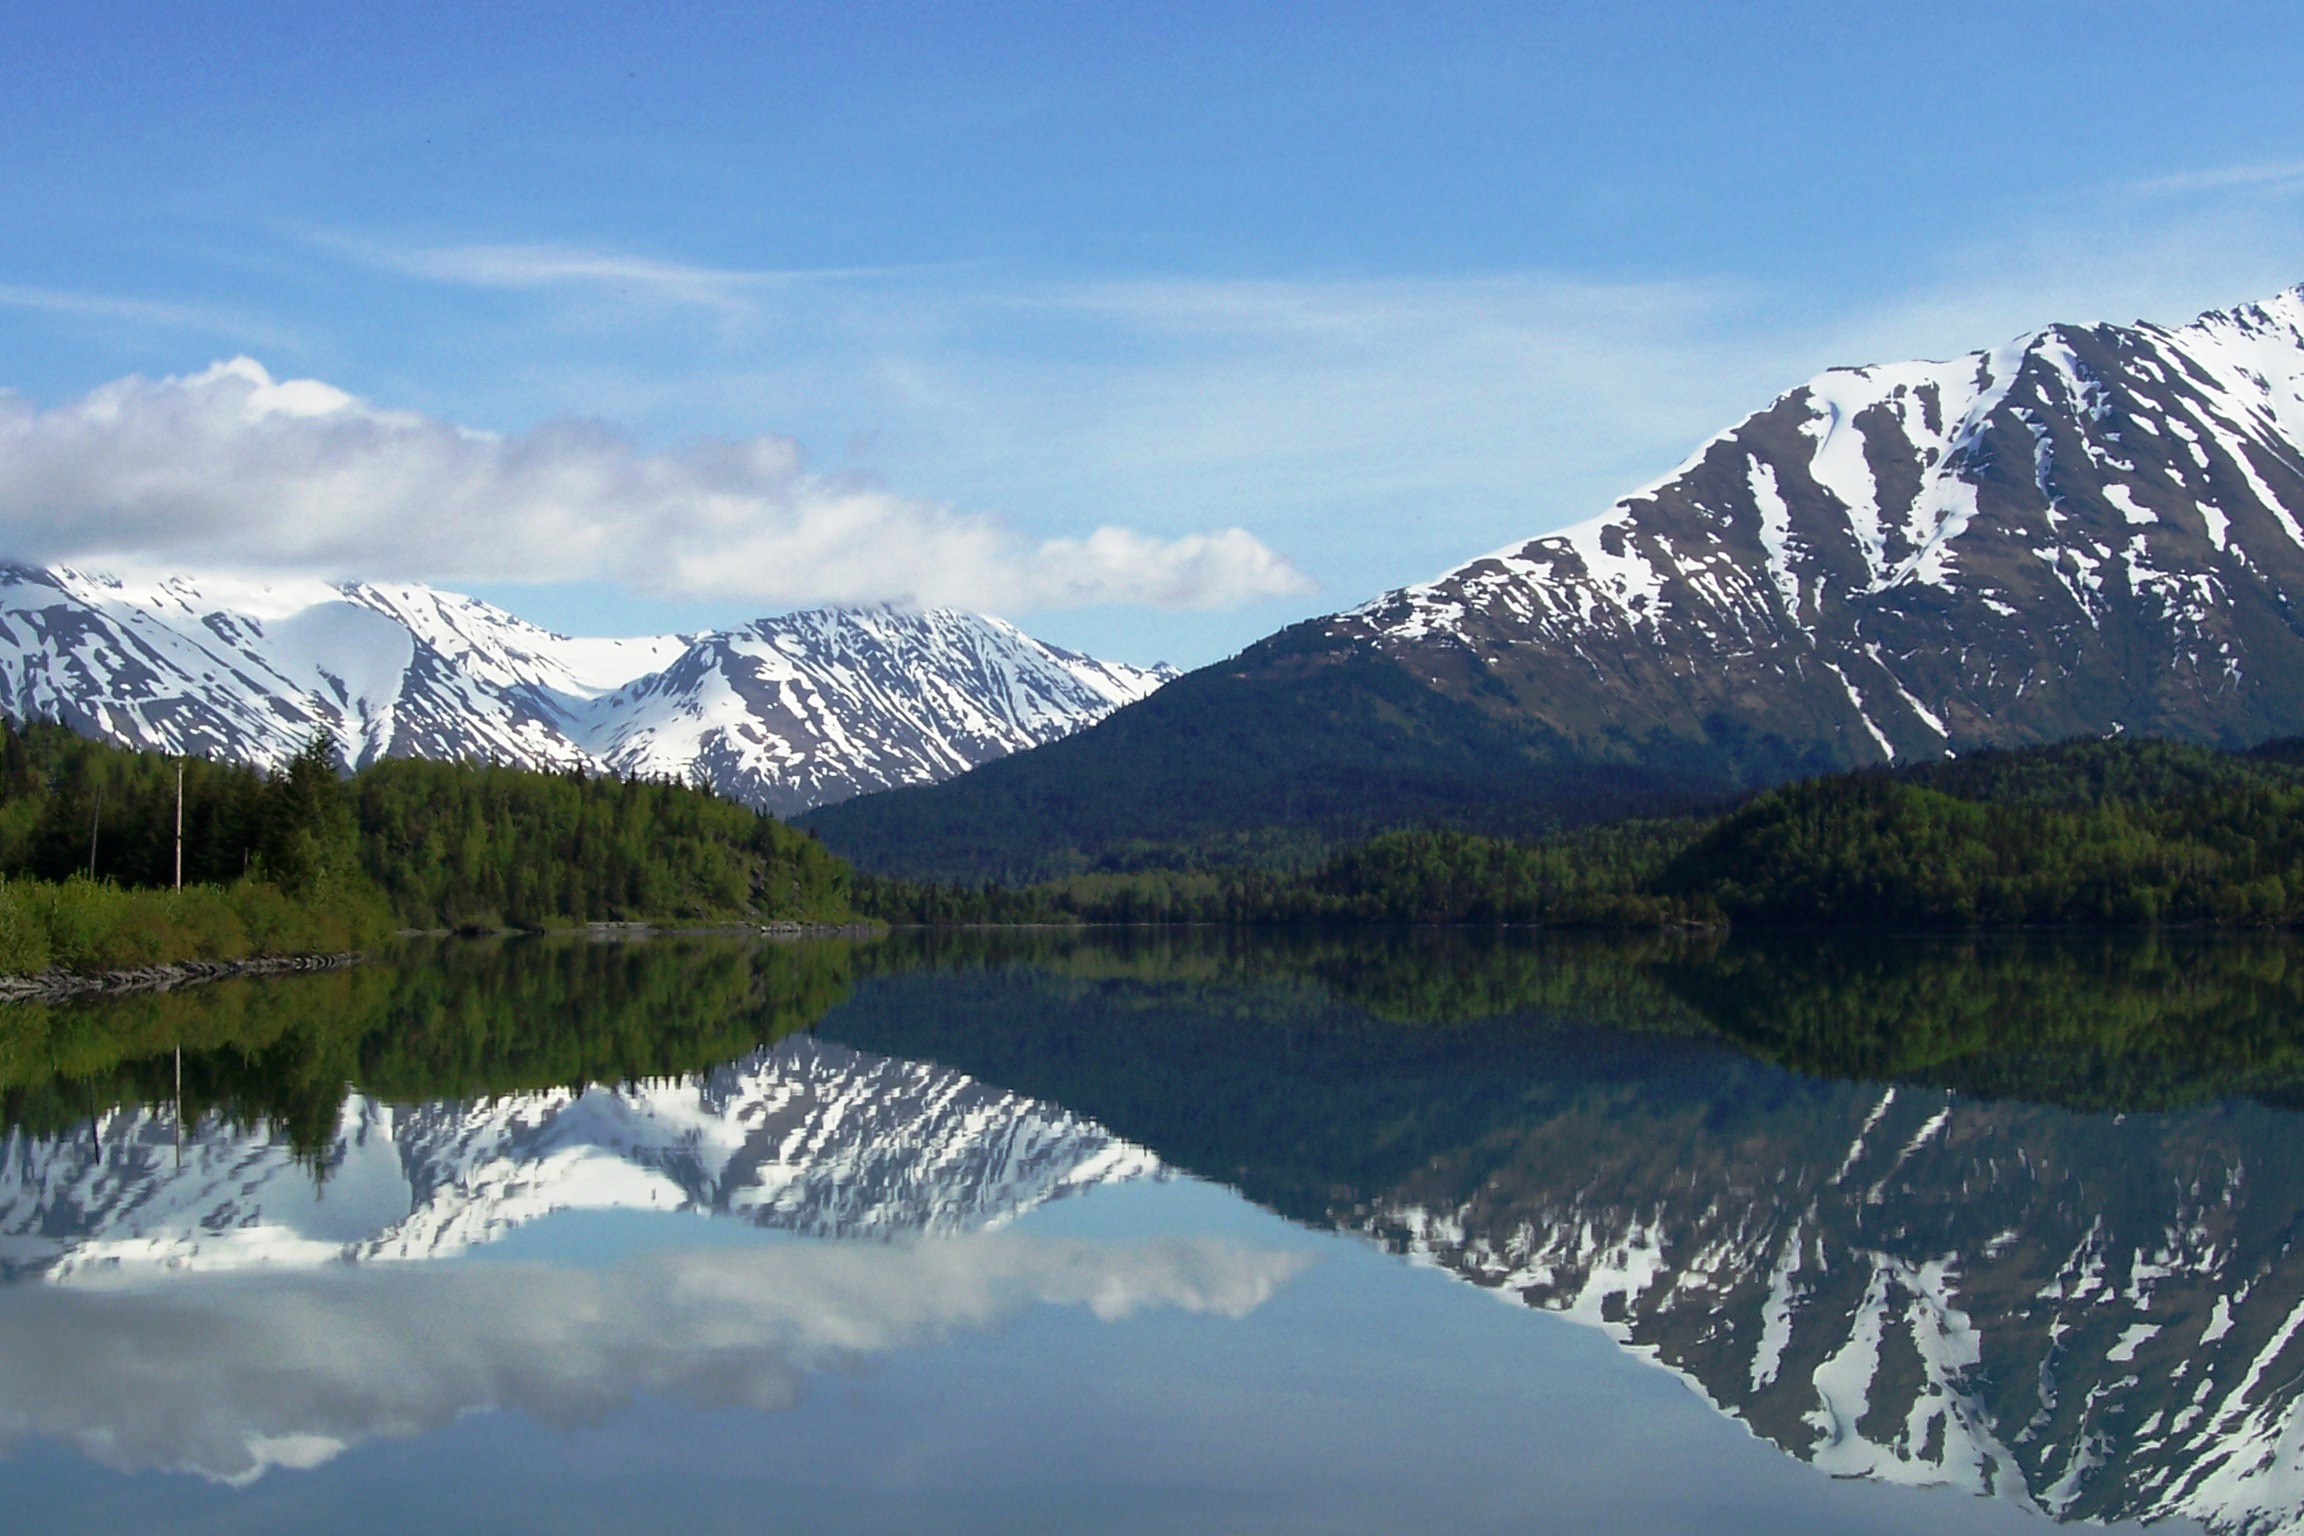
[[2085, 527], [785, 713]]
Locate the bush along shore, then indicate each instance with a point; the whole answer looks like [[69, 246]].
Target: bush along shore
[[92, 926], [97, 879]]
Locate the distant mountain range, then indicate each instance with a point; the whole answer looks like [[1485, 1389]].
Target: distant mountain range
[[2089, 530], [784, 713]]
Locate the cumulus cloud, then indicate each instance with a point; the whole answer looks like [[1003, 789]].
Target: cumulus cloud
[[231, 1376], [233, 467]]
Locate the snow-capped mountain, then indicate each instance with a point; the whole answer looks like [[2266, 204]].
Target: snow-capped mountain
[[2089, 529], [804, 1136], [816, 707], [2098, 1318], [785, 713]]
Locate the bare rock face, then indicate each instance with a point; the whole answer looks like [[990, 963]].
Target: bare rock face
[[785, 713], [2085, 531]]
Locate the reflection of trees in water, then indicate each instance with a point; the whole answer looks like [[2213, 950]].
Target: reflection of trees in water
[[2112, 1021], [2023, 1290], [2096, 1312], [438, 1020]]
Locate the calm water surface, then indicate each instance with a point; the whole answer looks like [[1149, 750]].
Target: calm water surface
[[1197, 1232]]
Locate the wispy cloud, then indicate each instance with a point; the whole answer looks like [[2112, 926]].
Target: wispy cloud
[[151, 312], [2279, 176], [521, 266], [232, 467], [1372, 429], [231, 1376]]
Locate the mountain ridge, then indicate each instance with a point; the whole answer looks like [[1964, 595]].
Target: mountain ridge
[[2084, 531], [783, 713]]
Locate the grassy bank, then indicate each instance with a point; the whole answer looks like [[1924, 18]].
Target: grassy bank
[[94, 925]]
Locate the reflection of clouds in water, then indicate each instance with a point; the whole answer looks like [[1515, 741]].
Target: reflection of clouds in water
[[231, 1376]]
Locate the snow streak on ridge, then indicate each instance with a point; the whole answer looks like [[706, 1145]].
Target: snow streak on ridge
[[786, 713], [2085, 529]]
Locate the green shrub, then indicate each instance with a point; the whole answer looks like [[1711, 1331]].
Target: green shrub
[[23, 935]]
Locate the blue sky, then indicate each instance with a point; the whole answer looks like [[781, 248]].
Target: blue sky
[[659, 317]]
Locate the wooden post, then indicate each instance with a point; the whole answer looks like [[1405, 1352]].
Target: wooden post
[[179, 826]]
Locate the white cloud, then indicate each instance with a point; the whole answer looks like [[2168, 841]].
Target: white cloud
[[230, 1376], [232, 467]]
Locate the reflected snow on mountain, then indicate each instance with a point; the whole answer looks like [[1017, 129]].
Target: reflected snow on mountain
[[805, 1136]]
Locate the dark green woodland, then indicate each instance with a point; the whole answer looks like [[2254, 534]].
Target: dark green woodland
[[305, 860], [2096, 832]]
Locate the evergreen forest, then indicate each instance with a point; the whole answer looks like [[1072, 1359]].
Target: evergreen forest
[[305, 860], [2120, 832]]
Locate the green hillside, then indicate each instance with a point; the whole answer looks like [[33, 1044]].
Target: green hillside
[[1298, 746], [2118, 832]]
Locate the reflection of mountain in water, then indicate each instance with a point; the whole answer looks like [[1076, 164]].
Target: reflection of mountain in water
[[2092, 1316], [804, 1136], [2095, 1315]]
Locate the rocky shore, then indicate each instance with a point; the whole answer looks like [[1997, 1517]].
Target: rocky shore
[[58, 986]]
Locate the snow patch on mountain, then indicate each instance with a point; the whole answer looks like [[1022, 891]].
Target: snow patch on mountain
[[785, 714], [2084, 525]]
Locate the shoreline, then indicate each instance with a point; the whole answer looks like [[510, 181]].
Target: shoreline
[[60, 986], [866, 929]]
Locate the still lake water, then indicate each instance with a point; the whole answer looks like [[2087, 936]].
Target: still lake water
[[1185, 1232]]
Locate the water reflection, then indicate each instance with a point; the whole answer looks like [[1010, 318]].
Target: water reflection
[[2095, 1315], [2013, 1216], [804, 1136], [230, 1376]]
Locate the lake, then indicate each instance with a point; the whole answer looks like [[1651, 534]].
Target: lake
[[1164, 1232]]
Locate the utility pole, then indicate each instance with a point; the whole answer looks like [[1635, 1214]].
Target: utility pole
[[95, 822], [179, 826]]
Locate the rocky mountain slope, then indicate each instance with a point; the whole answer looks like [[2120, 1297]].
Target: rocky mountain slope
[[785, 713], [2088, 530]]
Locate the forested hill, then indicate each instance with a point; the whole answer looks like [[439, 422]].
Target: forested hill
[[1287, 752], [448, 844], [2084, 832]]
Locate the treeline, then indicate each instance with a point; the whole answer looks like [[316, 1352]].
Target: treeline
[[89, 858], [304, 859], [924, 904], [468, 845], [2118, 832]]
